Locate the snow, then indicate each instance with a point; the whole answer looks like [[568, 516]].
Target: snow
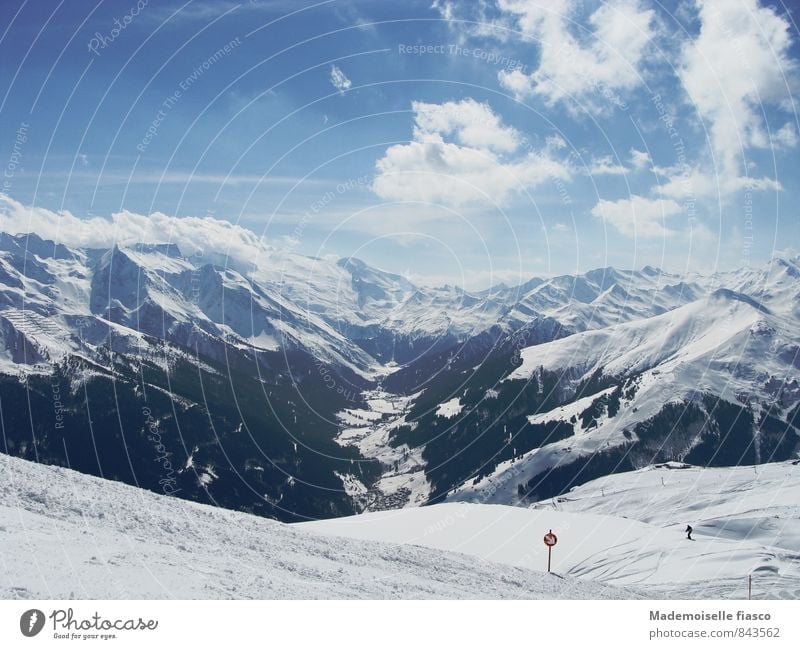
[[47, 334], [733, 502], [156, 261], [628, 530], [566, 412], [68, 535], [679, 335], [352, 486], [359, 416], [187, 292], [206, 476], [383, 404], [264, 341], [745, 520], [449, 409], [509, 535], [351, 292], [280, 299], [500, 487]]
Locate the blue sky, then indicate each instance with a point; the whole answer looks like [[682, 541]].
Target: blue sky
[[461, 142]]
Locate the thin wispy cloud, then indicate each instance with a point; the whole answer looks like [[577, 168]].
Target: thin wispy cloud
[[339, 80]]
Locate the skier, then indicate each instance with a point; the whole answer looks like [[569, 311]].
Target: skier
[[689, 532]]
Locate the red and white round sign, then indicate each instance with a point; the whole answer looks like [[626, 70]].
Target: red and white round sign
[[550, 539]]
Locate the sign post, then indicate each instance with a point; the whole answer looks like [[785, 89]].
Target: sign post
[[550, 540]]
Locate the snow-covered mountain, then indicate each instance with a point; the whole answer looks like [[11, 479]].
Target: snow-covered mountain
[[712, 382], [704, 370], [152, 292], [301, 387], [344, 312]]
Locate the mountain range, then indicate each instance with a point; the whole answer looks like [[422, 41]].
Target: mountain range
[[301, 388]]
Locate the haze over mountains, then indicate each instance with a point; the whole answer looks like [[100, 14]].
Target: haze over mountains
[[297, 387]]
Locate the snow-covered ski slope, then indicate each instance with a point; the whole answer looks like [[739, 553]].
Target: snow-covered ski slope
[[64, 534], [628, 530]]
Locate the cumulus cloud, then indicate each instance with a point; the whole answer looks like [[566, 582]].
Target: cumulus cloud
[[480, 162], [191, 234], [738, 63], [637, 216], [592, 70], [470, 123], [339, 80]]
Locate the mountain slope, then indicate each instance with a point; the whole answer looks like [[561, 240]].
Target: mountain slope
[[713, 382], [67, 535], [628, 530]]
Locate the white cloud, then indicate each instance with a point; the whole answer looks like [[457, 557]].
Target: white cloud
[[445, 7], [474, 19], [561, 228], [517, 82], [471, 123], [555, 142], [606, 166], [637, 216], [697, 184], [738, 63], [785, 136], [191, 234], [475, 168], [591, 70], [339, 79], [640, 159]]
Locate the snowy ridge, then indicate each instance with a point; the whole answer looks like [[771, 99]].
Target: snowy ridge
[[706, 328], [346, 311], [569, 411], [343, 311]]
